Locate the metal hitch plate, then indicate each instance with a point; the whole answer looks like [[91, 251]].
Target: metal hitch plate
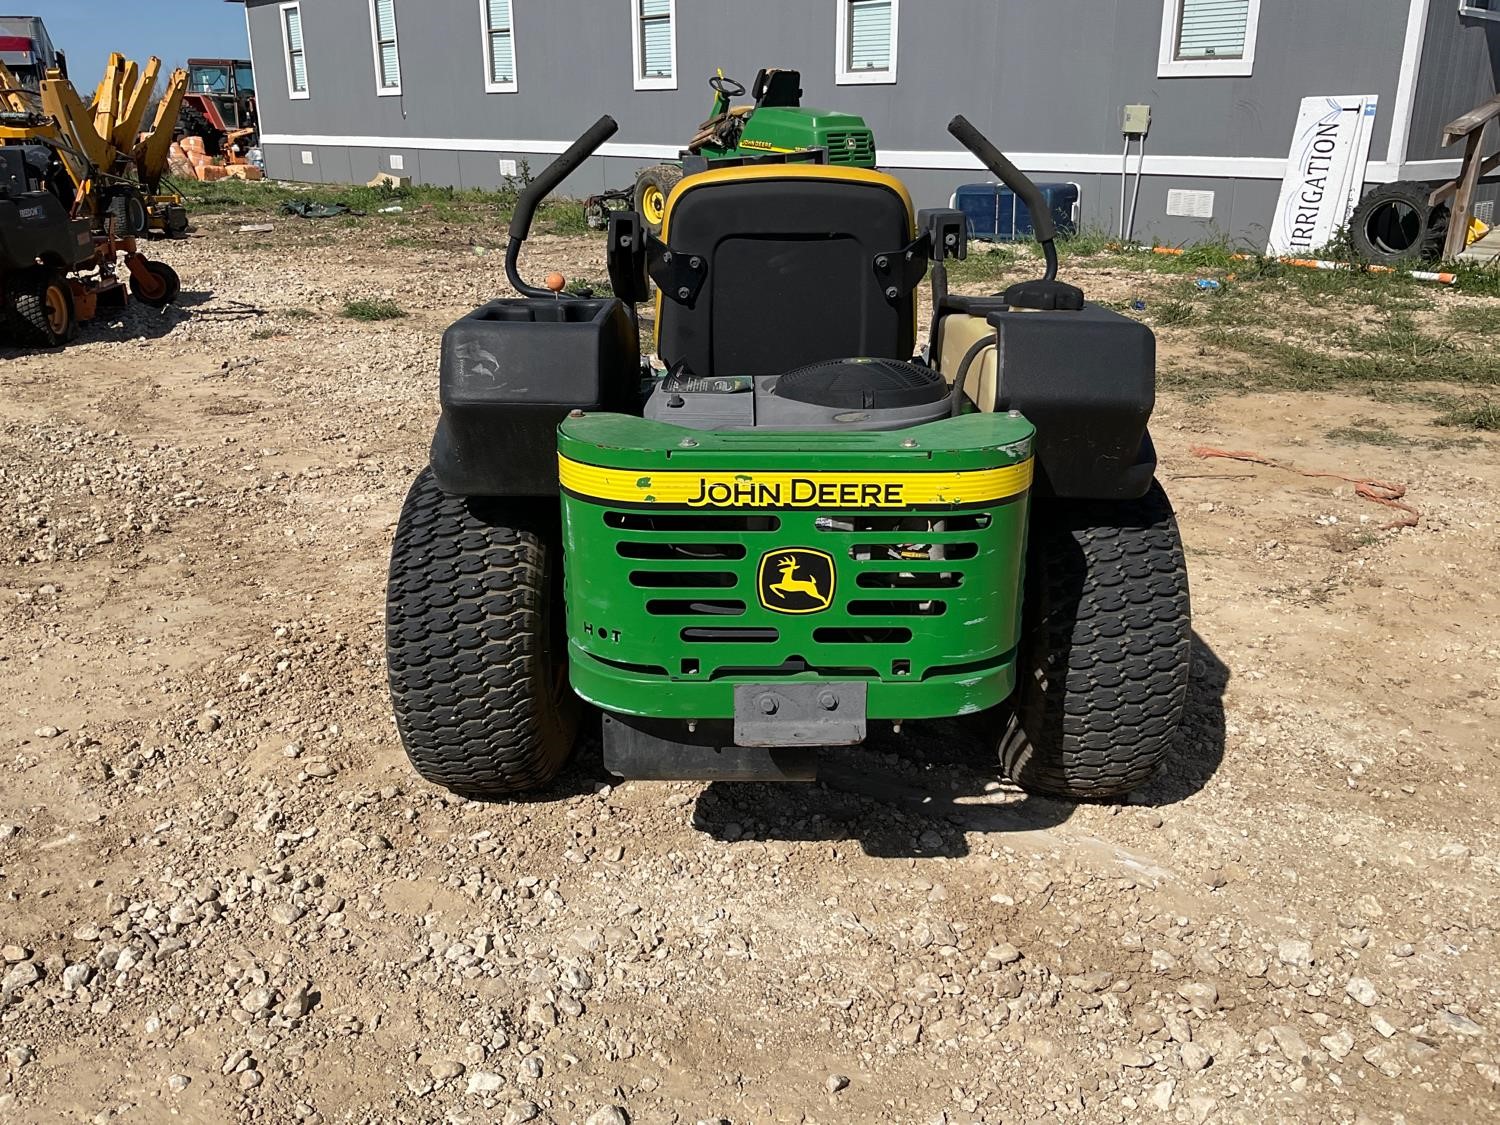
[[799, 714]]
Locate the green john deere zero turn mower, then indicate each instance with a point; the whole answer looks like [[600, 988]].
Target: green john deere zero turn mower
[[775, 124], [791, 531]]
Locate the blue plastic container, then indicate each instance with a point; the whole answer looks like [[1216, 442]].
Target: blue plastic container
[[993, 211]]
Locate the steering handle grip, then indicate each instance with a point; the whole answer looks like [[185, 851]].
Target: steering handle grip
[[556, 172], [1008, 174]]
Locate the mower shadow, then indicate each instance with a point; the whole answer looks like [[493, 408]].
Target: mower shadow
[[920, 794], [1199, 750]]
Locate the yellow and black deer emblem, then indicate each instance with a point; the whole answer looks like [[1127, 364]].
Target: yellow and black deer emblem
[[796, 580]]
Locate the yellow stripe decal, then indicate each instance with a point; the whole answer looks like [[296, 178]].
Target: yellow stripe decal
[[756, 489]]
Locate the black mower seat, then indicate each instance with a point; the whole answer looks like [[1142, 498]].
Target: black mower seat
[[773, 87], [792, 279]]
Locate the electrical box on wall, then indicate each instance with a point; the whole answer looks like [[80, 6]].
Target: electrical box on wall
[[1137, 120]]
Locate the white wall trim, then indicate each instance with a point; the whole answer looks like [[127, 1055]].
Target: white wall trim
[[487, 40], [1168, 65], [469, 144], [640, 81], [842, 75], [1194, 167], [1406, 83], [286, 49], [380, 90], [250, 42], [1473, 12]]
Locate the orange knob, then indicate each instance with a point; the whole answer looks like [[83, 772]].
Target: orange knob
[[555, 282]]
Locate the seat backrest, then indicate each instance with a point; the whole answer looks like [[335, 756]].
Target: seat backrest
[[792, 278], [777, 88]]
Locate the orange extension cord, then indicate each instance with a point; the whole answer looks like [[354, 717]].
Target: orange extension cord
[[1381, 492]]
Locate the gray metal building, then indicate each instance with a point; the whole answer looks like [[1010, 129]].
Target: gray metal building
[[461, 91]]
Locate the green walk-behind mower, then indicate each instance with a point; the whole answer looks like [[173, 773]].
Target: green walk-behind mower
[[789, 531], [775, 124]]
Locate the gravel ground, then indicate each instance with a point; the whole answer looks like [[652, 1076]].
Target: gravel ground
[[226, 897]]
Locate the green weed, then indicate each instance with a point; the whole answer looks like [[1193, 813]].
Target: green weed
[[368, 309], [1173, 312], [1088, 242], [1472, 414], [1482, 319], [1367, 432]]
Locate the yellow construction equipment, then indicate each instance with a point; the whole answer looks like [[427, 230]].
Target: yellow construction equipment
[[105, 176], [114, 171]]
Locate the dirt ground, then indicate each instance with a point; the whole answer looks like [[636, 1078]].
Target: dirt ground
[[227, 897]]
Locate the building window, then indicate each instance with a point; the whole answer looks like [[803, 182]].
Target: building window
[[499, 46], [1208, 38], [387, 53], [1480, 9], [296, 56], [654, 44], [867, 34]]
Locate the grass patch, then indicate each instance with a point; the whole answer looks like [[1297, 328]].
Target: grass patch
[[1480, 280], [564, 216], [1173, 312], [1475, 318], [265, 333], [1368, 431], [368, 309], [1086, 243], [1472, 414], [417, 202], [985, 265]]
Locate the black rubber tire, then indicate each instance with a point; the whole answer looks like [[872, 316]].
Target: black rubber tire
[[128, 210], [474, 648], [168, 277], [1106, 649], [1394, 224], [192, 123], [32, 297], [658, 177]]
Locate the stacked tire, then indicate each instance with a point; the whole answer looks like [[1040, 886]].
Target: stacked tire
[[1396, 225]]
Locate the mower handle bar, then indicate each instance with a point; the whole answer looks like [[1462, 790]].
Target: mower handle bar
[[533, 193], [1015, 179]]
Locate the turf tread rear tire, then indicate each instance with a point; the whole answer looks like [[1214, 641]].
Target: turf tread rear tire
[[472, 653], [1106, 649], [26, 307]]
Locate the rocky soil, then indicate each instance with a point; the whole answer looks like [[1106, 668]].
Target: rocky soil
[[226, 897]]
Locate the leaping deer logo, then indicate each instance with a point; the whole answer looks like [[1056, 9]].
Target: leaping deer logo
[[805, 582]]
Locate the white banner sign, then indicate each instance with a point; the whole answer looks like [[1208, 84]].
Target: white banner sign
[[1325, 173]]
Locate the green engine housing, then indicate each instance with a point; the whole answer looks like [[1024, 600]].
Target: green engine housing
[[695, 561], [849, 141]]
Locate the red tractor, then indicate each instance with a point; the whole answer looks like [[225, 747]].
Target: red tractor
[[220, 107]]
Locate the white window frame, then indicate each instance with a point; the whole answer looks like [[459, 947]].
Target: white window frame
[[385, 91], [1465, 8], [490, 85], [643, 82], [842, 75], [286, 51], [1168, 65]]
